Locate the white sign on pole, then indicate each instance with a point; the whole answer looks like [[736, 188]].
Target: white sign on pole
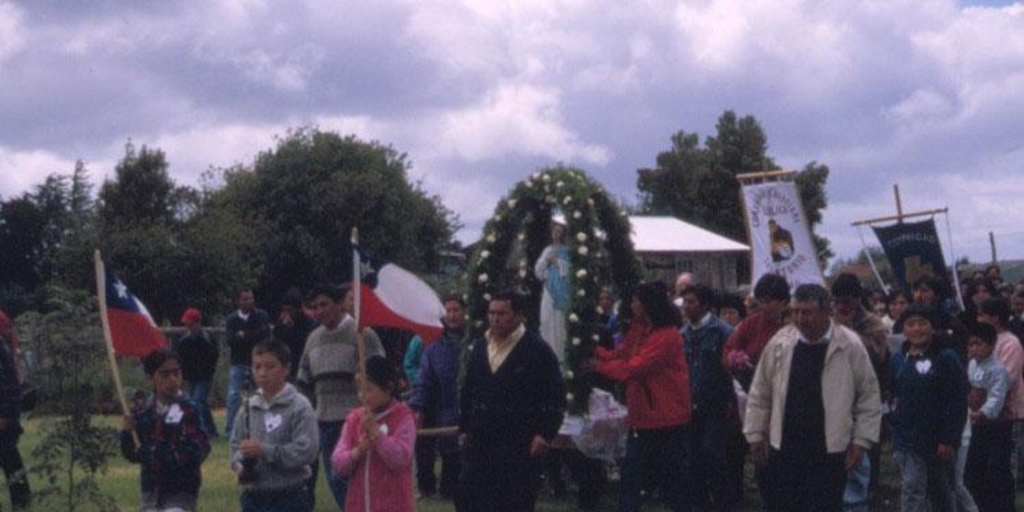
[[779, 236]]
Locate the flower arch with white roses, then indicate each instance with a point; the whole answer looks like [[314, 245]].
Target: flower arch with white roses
[[600, 254]]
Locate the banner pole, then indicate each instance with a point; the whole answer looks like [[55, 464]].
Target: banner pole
[[899, 218], [899, 203], [101, 296], [750, 236], [867, 254], [956, 273]]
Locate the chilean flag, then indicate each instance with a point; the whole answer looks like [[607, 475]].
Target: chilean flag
[[132, 330], [391, 296]]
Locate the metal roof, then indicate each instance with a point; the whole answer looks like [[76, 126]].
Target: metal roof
[[669, 234]]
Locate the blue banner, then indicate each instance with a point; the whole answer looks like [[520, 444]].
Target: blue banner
[[913, 250]]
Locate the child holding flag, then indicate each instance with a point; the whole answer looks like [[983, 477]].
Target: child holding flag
[[172, 443], [376, 446]]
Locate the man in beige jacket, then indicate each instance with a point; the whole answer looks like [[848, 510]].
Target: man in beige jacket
[[812, 410]]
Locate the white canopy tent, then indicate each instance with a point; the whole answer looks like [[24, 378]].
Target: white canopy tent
[[669, 234], [668, 246]]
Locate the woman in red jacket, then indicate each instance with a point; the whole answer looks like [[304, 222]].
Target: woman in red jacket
[[651, 364]]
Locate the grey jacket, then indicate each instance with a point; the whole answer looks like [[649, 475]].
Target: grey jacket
[[330, 362], [290, 436]]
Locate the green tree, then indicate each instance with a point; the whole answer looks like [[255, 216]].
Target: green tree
[[877, 255], [141, 193], [37, 232], [68, 259], [303, 197], [168, 242], [698, 184], [21, 247], [67, 347]]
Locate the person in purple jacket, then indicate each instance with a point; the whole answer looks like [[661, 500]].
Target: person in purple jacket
[[435, 400]]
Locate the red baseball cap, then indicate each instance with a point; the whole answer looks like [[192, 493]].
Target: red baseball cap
[[191, 315]]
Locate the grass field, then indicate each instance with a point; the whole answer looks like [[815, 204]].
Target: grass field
[[220, 492]]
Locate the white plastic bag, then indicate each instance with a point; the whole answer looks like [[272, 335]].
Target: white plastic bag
[[604, 429]]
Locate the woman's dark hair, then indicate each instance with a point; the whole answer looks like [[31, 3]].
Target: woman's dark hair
[[653, 296], [292, 297], [152, 362], [733, 301], [998, 307], [975, 287], [984, 332], [382, 373], [898, 292], [935, 284], [772, 286]]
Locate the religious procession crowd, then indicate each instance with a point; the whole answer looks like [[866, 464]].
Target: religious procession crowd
[[808, 384]]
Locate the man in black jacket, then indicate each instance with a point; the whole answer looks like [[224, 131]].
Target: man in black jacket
[[512, 403], [245, 328], [197, 355]]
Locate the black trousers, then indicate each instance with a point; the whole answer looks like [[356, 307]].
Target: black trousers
[[14, 470], [589, 475], [497, 477], [987, 474], [798, 481], [427, 449]]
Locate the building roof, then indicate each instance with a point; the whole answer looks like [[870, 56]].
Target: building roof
[[669, 234]]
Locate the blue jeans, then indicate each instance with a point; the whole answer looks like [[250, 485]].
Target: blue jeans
[[926, 479], [964, 500], [330, 432], [858, 479], [294, 501], [236, 382], [199, 391], [663, 453]]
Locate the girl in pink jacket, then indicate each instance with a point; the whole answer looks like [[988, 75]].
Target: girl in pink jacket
[[375, 450]]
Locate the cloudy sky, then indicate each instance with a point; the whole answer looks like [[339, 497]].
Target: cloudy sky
[[921, 93]]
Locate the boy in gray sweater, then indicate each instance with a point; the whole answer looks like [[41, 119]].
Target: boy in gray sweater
[[275, 437]]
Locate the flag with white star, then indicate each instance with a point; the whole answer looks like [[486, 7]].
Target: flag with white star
[[132, 329], [391, 296]]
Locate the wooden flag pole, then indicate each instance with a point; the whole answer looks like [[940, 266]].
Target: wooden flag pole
[[438, 432], [899, 212], [764, 175], [101, 296]]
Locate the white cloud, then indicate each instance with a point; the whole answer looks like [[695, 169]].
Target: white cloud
[[923, 104], [516, 120], [191, 152], [979, 44], [479, 92], [21, 171], [12, 38]]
